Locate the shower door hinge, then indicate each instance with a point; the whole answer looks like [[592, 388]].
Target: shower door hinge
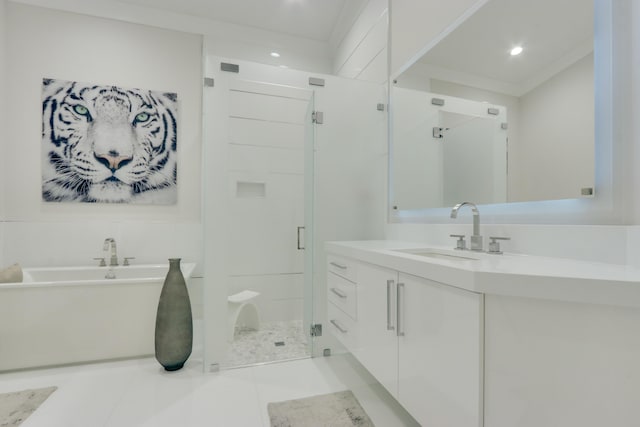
[[316, 330], [231, 68], [316, 81], [317, 117]]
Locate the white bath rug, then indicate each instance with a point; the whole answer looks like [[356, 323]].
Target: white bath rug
[[16, 406], [340, 409]]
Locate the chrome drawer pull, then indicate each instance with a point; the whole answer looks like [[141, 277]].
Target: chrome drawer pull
[[341, 266], [338, 292], [340, 327], [389, 325]]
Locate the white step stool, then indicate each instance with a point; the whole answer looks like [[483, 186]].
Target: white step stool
[[242, 312]]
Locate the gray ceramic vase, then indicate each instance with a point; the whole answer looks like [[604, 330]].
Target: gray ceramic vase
[[174, 325]]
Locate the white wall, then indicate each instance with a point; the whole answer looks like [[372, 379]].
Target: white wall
[[228, 40], [107, 53], [46, 43], [555, 130]]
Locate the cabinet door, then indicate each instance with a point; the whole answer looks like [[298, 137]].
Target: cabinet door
[[440, 353], [377, 344]]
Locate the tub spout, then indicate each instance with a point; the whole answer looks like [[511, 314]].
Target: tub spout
[[110, 242]]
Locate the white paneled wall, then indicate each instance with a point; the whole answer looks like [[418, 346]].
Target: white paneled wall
[[3, 138], [266, 194], [362, 53]]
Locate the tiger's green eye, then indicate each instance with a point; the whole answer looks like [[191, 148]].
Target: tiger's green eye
[[142, 117], [81, 109]]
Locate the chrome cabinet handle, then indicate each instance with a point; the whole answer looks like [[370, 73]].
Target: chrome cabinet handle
[[389, 325], [335, 264], [338, 292], [399, 311], [338, 326]]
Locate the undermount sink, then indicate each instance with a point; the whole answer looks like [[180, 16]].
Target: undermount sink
[[439, 254]]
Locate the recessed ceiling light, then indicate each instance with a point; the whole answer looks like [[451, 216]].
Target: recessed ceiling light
[[275, 54], [516, 51]]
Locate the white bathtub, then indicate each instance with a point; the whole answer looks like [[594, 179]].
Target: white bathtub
[[74, 314]]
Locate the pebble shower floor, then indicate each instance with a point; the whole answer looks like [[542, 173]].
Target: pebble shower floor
[[274, 341]]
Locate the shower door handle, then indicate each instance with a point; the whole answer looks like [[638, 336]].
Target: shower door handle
[[338, 292], [390, 327], [339, 326], [299, 240]]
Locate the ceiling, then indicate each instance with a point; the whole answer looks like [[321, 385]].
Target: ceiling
[[321, 20], [553, 33]]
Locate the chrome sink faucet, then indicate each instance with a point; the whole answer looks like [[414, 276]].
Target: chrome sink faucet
[[110, 242], [476, 238]]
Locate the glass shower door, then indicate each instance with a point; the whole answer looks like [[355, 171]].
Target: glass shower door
[[268, 133]]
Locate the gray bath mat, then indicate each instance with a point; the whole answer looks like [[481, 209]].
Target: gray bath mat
[[16, 406], [340, 409]]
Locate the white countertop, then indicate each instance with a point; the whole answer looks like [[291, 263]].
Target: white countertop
[[506, 274]]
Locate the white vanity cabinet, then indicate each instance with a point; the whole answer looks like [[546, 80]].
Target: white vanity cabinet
[[422, 340], [463, 338], [377, 344], [440, 352], [341, 295]]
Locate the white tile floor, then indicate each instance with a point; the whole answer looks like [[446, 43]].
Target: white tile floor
[[140, 393]]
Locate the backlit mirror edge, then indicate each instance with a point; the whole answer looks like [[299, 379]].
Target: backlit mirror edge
[[603, 208]]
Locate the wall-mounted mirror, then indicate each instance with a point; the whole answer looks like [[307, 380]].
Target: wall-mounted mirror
[[472, 121]]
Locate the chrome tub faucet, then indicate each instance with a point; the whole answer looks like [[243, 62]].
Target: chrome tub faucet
[[110, 242]]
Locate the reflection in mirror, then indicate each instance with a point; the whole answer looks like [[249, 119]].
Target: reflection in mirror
[[470, 121]]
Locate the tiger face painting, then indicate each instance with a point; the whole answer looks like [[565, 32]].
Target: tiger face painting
[[107, 144]]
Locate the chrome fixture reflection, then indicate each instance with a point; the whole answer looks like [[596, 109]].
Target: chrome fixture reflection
[[476, 238], [110, 242], [494, 245]]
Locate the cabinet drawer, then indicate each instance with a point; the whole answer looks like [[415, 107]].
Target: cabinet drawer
[[342, 326], [342, 293], [344, 267]]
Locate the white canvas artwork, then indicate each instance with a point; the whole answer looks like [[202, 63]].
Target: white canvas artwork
[[108, 144]]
